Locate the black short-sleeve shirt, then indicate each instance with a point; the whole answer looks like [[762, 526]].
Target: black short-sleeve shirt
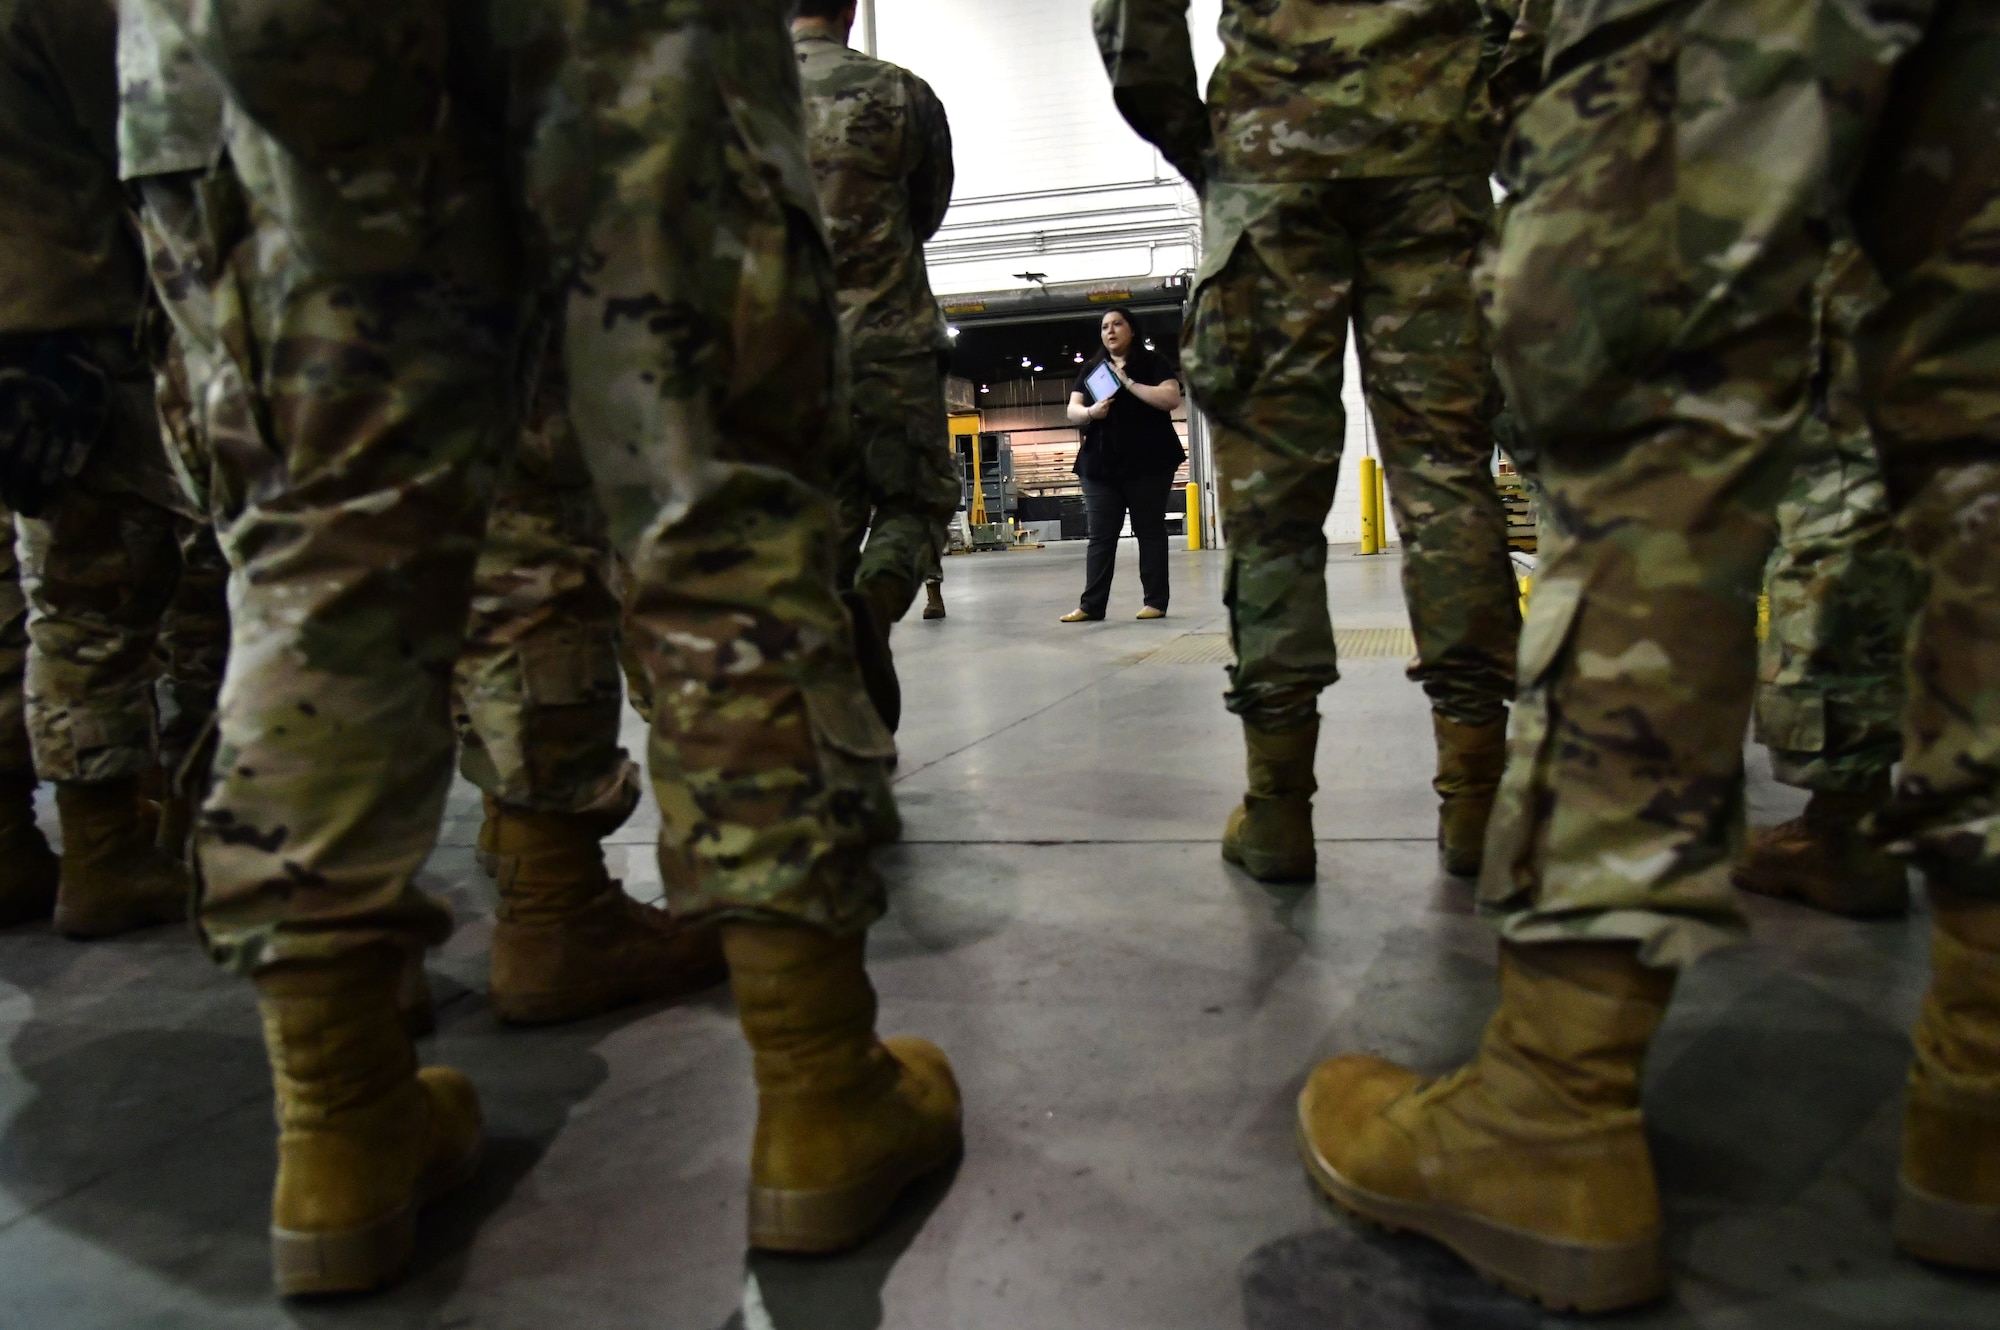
[[1135, 439]]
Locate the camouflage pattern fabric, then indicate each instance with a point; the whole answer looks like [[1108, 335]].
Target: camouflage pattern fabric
[[908, 487], [1650, 297], [379, 373], [1263, 352], [880, 146], [1842, 588], [100, 568], [537, 698], [369, 286], [67, 260], [170, 108], [883, 171], [100, 565], [1344, 182], [194, 647], [16, 756], [538, 695], [1309, 90], [708, 436]]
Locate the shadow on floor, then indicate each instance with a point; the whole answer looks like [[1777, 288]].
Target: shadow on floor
[[836, 1293]]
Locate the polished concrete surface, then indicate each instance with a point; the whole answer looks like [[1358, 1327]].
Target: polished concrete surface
[[1131, 1021]]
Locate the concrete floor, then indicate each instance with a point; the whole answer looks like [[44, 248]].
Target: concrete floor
[[1130, 1018]]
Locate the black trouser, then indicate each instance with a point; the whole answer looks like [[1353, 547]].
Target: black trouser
[[1107, 502]]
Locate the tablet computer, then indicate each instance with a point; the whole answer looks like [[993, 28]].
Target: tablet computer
[[1102, 383]]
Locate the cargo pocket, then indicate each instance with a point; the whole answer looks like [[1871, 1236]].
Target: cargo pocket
[[854, 748], [1217, 345], [1587, 282]]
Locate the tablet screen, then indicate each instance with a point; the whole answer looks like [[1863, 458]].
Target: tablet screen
[[1102, 383]]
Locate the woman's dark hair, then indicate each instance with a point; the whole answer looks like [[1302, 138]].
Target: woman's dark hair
[[827, 9]]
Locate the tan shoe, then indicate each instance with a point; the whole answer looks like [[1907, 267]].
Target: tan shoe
[[1078, 616], [1149, 612], [1530, 1162], [114, 878], [1471, 760], [568, 943], [845, 1121], [29, 869], [1270, 834], [1822, 859], [1948, 1202], [934, 600], [365, 1140]]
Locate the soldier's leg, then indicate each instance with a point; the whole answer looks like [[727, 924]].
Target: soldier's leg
[[378, 331], [1422, 345], [539, 713], [194, 642], [707, 436], [900, 428], [28, 868], [900, 433], [99, 566], [1660, 362], [1830, 672], [1931, 366], [1263, 352]]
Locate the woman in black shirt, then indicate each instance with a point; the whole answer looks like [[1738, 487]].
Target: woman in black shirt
[[1127, 463]]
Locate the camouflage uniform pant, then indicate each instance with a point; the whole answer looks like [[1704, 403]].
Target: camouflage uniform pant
[[907, 487], [538, 693], [1652, 323], [537, 697], [1290, 267], [1842, 588], [16, 756], [100, 568], [384, 322]]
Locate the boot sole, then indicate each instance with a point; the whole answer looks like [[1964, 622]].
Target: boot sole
[[577, 1004], [362, 1259], [1561, 1276], [1946, 1232], [818, 1223], [1270, 870]]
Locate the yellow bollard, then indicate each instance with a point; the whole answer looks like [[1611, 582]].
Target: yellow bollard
[[1193, 493], [1371, 507], [1382, 506]]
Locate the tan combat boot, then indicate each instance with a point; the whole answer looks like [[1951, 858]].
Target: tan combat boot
[[845, 1121], [1270, 834], [568, 942], [1821, 858], [1471, 760], [934, 600], [114, 878], [1531, 1161], [1948, 1209], [364, 1138], [29, 869]]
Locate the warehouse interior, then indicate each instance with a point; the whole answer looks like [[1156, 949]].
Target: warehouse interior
[[1130, 1018]]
